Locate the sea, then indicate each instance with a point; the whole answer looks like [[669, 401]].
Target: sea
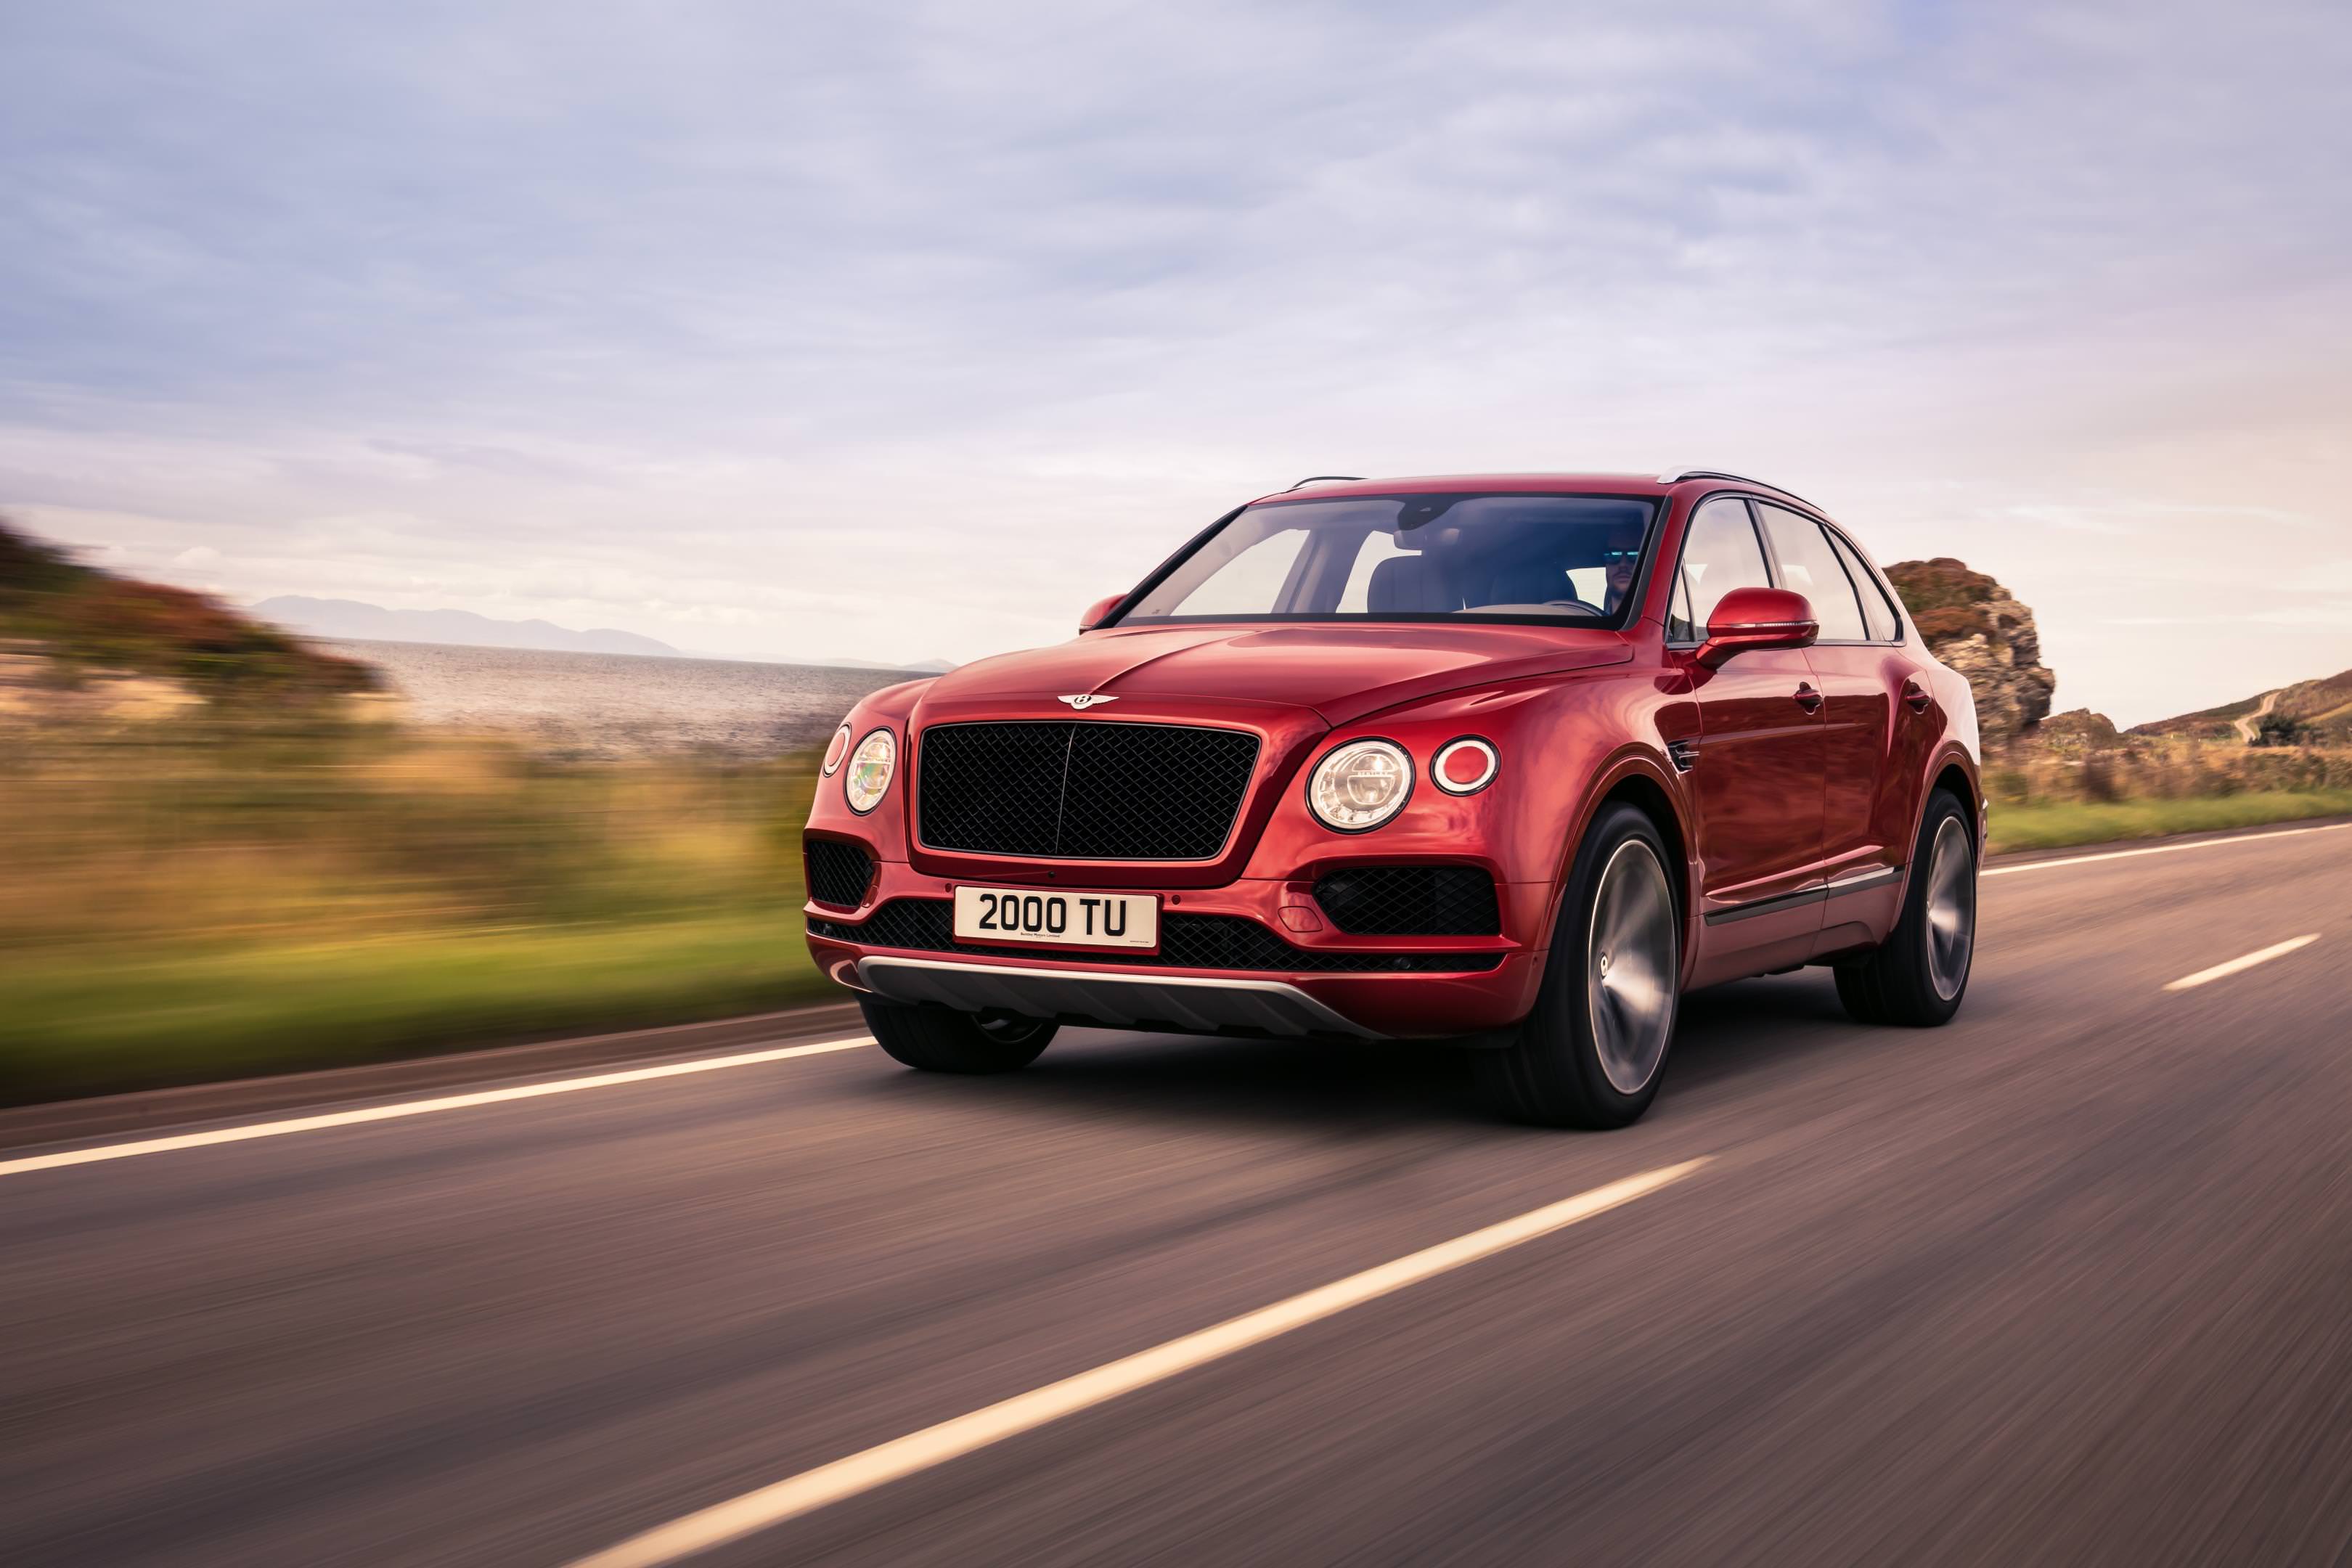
[[601, 705]]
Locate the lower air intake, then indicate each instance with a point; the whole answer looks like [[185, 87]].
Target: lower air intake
[[1411, 900]]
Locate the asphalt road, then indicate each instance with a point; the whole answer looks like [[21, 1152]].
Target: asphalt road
[[2069, 1280]]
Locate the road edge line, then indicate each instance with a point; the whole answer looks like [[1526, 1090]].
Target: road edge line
[[2162, 849], [399, 1108]]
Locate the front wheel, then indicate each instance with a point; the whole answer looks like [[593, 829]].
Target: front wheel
[[1592, 1052], [935, 1039], [1919, 974]]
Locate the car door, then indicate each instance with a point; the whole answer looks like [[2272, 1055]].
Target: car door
[[1858, 679], [1914, 715], [1757, 775]]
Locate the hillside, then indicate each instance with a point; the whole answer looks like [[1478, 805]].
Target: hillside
[[67, 626], [1975, 626], [354, 620], [2315, 712]]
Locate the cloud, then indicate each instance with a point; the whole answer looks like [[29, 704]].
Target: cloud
[[807, 323]]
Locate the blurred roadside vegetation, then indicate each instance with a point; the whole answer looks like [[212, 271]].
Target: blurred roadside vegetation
[[2078, 781], [192, 898], [219, 857]]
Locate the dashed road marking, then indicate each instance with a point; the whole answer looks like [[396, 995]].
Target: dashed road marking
[[811, 1489], [2224, 970]]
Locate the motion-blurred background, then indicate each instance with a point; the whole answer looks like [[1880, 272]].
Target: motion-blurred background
[[457, 459]]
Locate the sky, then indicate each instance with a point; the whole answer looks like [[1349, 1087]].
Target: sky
[[901, 332]]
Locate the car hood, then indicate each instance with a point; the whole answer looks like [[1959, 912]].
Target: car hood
[[1342, 672]]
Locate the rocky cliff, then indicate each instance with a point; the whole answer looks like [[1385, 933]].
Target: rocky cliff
[[1975, 627]]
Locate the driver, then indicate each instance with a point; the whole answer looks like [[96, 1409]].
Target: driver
[[1619, 558]]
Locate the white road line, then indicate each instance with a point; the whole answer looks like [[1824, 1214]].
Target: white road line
[[420, 1107], [2224, 970], [2161, 850], [811, 1489]]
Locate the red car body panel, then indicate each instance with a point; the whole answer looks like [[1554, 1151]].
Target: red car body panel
[[1784, 808]]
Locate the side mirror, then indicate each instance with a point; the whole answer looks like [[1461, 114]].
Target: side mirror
[[1749, 618], [1097, 611]]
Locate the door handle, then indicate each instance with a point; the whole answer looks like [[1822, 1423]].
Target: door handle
[[1914, 697], [1807, 698]]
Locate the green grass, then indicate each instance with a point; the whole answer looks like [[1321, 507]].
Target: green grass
[[2053, 825], [88, 1022]]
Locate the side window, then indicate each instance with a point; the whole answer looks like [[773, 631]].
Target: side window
[[1809, 566], [1877, 609], [1720, 553]]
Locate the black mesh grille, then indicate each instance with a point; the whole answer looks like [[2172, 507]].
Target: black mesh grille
[[1186, 942], [838, 873], [1411, 900], [1084, 790]]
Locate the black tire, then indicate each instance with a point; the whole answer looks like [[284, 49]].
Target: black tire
[[935, 1039], [1915, 977], [1553, 1074]]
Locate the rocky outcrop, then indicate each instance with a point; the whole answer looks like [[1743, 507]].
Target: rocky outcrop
[[2077, 732], [1976, 627]]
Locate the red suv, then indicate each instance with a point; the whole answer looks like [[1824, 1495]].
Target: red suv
[[1507, 762]]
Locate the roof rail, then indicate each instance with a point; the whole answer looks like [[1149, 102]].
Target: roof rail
[[1677, 475], [1318, 479]]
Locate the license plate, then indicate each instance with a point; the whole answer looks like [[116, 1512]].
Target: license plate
[[1028, 917]]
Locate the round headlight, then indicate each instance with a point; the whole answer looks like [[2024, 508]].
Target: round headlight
[[870, 767], [1360, 785], [836, 751]]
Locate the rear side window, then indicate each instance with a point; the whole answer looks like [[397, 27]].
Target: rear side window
[[1720, 553], [1877, 609], [1809, 566]]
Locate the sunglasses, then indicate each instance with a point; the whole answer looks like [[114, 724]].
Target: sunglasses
[[1619, 557]]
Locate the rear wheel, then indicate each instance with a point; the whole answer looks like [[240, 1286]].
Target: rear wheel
[[1919, 974], [1592, 1052], [935, 1039]]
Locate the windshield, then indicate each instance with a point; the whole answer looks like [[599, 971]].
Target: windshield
[[1548, 558]]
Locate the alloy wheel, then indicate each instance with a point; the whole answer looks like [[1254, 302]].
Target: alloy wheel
[[1630, 972], [1952, 908]]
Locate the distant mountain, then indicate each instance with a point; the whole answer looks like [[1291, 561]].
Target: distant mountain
[[2320, 711], [921, 666], [351, 619]]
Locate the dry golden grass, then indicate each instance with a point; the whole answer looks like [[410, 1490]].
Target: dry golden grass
[[161, 876]]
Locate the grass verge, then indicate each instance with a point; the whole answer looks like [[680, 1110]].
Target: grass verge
[[86, 1023], [2053, 825]]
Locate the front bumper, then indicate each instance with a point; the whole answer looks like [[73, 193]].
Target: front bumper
[[1281, 981]]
